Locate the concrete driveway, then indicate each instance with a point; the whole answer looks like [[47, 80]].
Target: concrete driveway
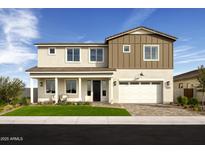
[[152, 109], [157, 110]]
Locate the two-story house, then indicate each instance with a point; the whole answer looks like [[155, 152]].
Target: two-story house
[[135, 66]]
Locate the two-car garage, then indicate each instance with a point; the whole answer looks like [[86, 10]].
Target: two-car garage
[[140, 92]]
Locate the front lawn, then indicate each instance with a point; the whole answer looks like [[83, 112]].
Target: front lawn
[[68, 110]]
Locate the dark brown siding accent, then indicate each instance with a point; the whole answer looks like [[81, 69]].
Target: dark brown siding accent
[[135, 59]]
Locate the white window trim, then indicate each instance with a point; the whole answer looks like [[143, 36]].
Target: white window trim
[[153, 45], [66, 55], [51, 54], [46, 88], [126, 51], [98, 62], [76, 87]]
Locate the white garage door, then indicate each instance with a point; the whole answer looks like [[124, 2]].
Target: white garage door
[[140, 92]]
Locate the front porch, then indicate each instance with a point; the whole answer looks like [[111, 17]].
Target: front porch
[[73, 88]]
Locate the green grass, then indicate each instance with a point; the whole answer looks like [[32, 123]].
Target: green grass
[[67, 110]]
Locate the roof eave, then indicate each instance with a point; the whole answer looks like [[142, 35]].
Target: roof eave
[[138, 28]]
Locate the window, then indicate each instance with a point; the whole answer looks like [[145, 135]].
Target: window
[[73, 54], [180, 85], [104, 88], [126, 49], [50, 86], [51, 51], [71, 86], [96, 55], [151, 52], [88, 88]]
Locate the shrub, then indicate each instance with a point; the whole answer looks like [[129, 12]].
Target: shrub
[[193, 102], [10, 89], [179, 99], [15, 101], [23, 101], [8, 107], [2, 102], [184, 100]]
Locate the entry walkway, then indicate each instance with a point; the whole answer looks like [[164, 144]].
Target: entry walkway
[[138, 120]]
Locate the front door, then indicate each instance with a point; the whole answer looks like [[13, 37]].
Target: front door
[[96, 90]]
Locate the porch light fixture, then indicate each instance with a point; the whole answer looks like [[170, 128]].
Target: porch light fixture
[[141, 74], [114, 83], [168, 83], [41, 84]]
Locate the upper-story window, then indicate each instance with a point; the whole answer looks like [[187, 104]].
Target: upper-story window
[[126, 49], [51, 51], [73, 54], [151, 52], [96, 55]]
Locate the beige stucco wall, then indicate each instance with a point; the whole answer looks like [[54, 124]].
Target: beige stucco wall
[[59, 60], [163, 75], [44, 97], [188, 83]]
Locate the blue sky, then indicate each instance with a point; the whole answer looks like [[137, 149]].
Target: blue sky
[[20, 28]]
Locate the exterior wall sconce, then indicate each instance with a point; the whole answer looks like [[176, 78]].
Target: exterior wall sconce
[[141, 74], [168, 84], [114, 83], [41, 84]]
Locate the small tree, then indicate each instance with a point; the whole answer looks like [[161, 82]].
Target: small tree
[[201, 79], [10, 88]]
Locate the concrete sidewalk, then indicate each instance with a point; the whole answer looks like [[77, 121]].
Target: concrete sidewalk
[[138, 120]]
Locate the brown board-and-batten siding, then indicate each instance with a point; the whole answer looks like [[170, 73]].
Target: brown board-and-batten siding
[[118, 59]]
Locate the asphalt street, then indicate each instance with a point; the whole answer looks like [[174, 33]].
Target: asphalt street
[[102, 134]]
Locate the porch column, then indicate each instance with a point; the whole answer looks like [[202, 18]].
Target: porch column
[[31, 90], [79, 89], [111, 90], [56, 90]]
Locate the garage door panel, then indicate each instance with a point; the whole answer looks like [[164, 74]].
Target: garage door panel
[[145, 93]]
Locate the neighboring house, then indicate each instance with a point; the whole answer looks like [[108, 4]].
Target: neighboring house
[[186, 84], [135, 66]]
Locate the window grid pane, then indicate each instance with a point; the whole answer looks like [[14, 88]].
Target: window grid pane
[[154, 53], [76, 54], [99, 55], [147, 52], [93, 55], [69, 55]]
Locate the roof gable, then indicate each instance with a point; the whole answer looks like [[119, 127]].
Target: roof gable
[[141, 30]]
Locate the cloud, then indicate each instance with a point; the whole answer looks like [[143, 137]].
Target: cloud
[[185, 39], [192, 54], [18, 27], [137, 17], [89, 41], [182, 48], [196, 59]]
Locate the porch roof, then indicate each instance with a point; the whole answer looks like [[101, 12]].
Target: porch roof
[[68, 69]]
